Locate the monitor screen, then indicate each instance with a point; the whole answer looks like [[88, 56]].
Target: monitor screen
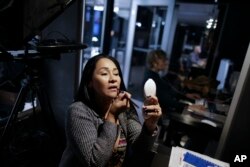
[[21, 20]]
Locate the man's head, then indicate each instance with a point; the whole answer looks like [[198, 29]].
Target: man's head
[[197, 49]]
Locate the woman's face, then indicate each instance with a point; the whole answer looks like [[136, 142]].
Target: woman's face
[[161, 64], [106, 79]]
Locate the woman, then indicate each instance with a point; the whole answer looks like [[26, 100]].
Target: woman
[[169, 86], [102, 126]]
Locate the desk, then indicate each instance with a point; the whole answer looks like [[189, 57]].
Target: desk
[[193, 118], [189, 123], [162, 155]]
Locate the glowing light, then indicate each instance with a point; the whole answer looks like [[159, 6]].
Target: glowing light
[[138, 24], [116, 9], [98, 8], [95, 39], [211, 23]]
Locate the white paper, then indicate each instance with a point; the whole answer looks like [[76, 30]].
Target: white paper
[[177, 158]]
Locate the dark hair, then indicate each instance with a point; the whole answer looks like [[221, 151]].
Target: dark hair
[[154, 55], [84, 92]]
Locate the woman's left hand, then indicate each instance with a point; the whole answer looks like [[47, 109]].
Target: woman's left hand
[[152, 112]]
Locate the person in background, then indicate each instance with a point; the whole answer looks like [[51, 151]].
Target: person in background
[[190, 63], [169, 90], [198, 62], [195, 56], [168, 85], [185, 64], [102, 126]]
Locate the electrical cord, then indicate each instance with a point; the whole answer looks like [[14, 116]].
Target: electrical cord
[[5, 6], [58, 32]]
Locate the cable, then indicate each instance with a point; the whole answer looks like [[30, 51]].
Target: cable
[[58, 32], [9, 4]]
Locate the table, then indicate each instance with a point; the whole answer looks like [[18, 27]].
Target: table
[[190, 123]]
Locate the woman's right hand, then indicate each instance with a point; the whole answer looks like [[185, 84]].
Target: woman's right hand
[[119, 104]]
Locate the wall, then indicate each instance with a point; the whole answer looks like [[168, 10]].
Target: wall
[[236, 133], [61, 75], [234, 36], [234, 44]]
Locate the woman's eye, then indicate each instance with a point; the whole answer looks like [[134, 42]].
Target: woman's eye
[[116, 74], [104, 73]]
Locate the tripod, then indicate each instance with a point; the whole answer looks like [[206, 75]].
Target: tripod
[[31, 82]]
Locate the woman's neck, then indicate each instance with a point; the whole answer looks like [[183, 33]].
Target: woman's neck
[[102, 105]]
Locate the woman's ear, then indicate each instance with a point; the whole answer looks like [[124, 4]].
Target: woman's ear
[[155, 64]]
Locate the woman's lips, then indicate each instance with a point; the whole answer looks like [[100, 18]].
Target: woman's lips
[[113, 89]]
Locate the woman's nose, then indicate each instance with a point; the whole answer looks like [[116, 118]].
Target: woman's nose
[[113, 78]]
